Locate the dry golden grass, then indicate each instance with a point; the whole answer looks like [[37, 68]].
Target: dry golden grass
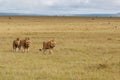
[[87, 48]]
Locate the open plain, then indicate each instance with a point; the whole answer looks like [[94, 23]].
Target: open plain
[[87, 48]]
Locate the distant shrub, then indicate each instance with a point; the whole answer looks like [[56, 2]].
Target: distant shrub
[[109, 38], [102, 66], [10, 18]]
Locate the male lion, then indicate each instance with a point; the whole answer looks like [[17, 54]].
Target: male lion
[[16, 44], [49, 45], [25, 44]]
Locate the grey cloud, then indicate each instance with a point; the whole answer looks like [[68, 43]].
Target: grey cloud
[[60, 6]]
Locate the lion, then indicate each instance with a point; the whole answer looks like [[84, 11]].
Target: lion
[[25, 44], [16, 45], [49, 45]]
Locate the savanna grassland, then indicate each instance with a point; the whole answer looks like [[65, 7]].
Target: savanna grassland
[[87, 48]]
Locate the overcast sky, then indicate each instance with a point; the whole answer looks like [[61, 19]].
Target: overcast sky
[[60, 6]]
